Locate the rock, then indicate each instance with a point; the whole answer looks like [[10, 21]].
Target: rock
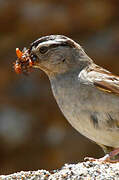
[[94, 170]]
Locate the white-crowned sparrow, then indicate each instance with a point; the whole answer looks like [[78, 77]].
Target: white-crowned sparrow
[[87, 94]]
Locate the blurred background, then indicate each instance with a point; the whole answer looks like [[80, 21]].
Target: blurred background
[[33, 132]]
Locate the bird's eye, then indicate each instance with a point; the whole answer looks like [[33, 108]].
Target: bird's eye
[[43, 49], [34, 57]]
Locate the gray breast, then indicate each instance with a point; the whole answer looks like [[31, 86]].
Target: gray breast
[[93, 114]]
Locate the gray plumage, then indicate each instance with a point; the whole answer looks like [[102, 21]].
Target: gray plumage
[[86, 93]]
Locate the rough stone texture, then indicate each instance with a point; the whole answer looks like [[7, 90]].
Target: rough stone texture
[[86, 170]]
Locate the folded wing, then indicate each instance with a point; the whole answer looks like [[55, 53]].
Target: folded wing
[[100, 78]]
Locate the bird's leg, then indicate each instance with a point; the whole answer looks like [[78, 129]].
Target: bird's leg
[[112, 155]]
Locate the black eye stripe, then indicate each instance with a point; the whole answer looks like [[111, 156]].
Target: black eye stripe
[[44, 49], [63, 44]]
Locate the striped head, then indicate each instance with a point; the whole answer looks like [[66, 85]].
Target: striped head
[[56, 54]]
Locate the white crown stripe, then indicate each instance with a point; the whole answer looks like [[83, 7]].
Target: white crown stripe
[[47, 43], [58, 40]]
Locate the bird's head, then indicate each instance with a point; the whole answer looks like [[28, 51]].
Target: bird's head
[[56, 54]]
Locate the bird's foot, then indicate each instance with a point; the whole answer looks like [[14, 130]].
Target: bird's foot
[[106, 158], [112, 157]]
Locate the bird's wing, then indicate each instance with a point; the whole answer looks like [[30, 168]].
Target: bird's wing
[[107, 86], [100, 78]]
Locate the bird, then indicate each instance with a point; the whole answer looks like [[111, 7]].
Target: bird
[[87, 94]]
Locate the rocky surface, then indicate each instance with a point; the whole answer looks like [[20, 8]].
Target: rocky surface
[[86, 170]]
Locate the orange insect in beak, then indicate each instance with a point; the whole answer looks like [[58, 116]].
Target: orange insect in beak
[[19, 53], [17, 68], [24, 62]]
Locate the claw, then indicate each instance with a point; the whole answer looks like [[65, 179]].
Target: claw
[[104, 159], [112, 157]]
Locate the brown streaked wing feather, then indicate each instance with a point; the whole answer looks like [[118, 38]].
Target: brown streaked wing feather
[[110, 84], [100, 78], [107, 87]]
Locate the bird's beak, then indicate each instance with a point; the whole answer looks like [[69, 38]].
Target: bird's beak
[[24, 62]]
